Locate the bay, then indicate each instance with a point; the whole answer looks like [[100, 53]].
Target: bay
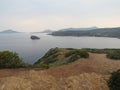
[[32, 50]]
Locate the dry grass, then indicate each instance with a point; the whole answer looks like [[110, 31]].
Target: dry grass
[[84, 74], [97, 63]]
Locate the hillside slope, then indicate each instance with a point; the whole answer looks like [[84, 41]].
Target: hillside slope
[[97, 63], [84, 74], [60, 56], [99, 32]]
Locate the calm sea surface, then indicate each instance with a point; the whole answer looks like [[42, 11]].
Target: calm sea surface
[[31, 50]]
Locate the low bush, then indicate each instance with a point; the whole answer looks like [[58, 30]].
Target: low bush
[[51, 52], [73, 58], [99, 51], [81, 53], [114, 81], [10, 60], [51, 58], [76, 54], [114, 54], [42, 65]]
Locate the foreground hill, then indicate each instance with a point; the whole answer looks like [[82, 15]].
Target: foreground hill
[[59, 56], [98, 32], [89, 73]]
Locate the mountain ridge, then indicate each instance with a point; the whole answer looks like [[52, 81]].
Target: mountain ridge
[[47, 31], [99, 32], [9, 31], [79, 29]]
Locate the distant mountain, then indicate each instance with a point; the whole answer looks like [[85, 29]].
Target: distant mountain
[[79, 29], [98, 32], [47, 31], [9, 31]]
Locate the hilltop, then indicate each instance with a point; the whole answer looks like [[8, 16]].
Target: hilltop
[[83, 73], [60, 56]]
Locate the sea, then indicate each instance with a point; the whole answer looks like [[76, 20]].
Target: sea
[[31, 50]]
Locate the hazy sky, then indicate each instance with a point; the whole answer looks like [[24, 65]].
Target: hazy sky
[[37, 15]]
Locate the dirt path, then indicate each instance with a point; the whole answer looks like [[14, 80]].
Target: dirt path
[[97, 63]]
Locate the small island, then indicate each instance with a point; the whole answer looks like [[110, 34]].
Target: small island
[[34, 37]]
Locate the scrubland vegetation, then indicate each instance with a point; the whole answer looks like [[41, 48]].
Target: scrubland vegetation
[[57, 57], [11, 60], [114, 81], [54, 57], [110, 53], [64, 56]]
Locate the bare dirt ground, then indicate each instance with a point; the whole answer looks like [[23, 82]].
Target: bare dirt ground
[[97, 63], [84, 74]]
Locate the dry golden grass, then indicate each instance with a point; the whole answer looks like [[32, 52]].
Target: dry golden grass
[[84, 74]]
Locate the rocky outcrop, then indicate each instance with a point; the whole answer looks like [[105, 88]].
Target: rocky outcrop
[[34, 37]]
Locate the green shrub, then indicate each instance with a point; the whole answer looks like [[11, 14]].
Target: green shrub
[[69, 53], [76, 54], [99, 51], [114, 81], [70, 49], [51, 52], [51, 58], [42, 65], [10, 60], [73, 58], [81, 53], [114, 54]]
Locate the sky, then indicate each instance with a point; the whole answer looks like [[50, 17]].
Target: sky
[[38, 15]]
